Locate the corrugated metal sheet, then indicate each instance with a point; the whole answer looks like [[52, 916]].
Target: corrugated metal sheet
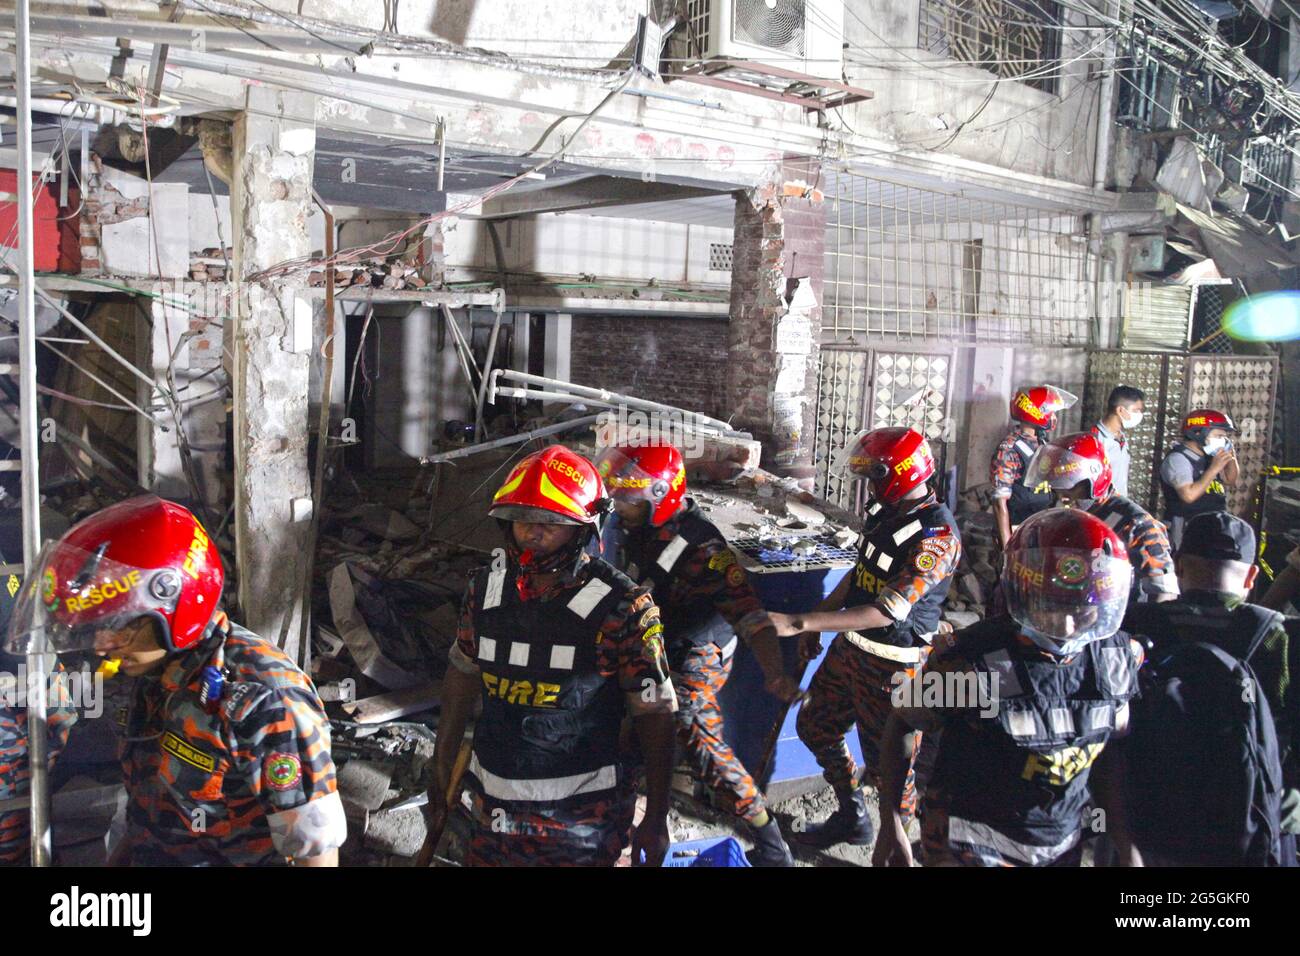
[[1157, 316]]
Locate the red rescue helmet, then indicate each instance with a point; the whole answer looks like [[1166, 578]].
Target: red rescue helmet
[[652, 473], [552, 486], [144, 557], [1064, 462], [1066, 576], [894, 460], [1038, 406], [1199, 422]]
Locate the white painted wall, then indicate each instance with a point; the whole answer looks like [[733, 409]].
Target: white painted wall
[[133, 247]]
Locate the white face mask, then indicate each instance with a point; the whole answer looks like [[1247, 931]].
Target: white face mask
[[1214, 445], [1130, 421]]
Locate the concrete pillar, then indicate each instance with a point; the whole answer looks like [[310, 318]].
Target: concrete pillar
[[987, 414], [775, 327], [273, 144]]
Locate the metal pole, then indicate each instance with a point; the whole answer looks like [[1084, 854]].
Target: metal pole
[[511, 440], [36, 720]]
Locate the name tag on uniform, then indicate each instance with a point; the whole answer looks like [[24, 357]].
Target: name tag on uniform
[[184, 751]]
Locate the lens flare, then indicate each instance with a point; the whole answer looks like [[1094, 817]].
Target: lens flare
[[1268, 317]]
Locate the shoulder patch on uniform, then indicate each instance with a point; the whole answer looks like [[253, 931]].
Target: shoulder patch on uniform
[[735, 575], [941, 532], [723, 559], [185, 751], [924, 561], [282, 771], [649, 617]]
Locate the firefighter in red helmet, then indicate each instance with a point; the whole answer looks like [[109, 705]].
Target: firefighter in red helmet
[[558, 646], [1198, 470], [661, 537], [1076, 469], [886, 612], [225, 749], [1034, 415], [1025, 701]]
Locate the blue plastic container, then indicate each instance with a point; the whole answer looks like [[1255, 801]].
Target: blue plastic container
[[716, 851]]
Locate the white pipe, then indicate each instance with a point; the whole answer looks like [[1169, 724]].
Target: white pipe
[[37, 725]]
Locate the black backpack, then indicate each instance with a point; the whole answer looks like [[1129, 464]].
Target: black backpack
[[1203, 775]]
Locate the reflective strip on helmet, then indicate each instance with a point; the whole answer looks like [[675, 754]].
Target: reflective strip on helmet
[[487, 649], [1000, 663], [671, 552], [495, 582], [545, 789], [905, 532], [562, 657], [548, 490], [512, 483], [981, 835], [519, 653], [592, 593]]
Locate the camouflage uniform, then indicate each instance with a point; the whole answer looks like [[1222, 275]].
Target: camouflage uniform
[[585, 828], [1007, 473], [1146, 541], [853, 684], [707, 601], [15, 773], [248, 785]]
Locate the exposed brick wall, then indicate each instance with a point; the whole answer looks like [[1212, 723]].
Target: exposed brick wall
[[678, 362], [780, 236]]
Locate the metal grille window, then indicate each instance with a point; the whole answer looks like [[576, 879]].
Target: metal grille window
[[914, 263], [720, 256], [1010, 38]]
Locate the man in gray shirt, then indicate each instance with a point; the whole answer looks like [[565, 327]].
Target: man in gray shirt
[[1124, 410]]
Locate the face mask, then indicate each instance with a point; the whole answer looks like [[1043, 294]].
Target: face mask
[[1130, 421], [1214, 445]]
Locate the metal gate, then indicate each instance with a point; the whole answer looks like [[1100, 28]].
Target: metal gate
[[877, 388], [1242, 386]]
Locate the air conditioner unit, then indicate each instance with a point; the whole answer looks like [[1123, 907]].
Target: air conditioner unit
[[806, 36]]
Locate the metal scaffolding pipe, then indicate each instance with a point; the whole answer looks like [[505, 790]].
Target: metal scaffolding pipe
[[510, 440], [37, 726]]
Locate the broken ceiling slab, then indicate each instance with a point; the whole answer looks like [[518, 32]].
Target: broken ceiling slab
[[1241, 249]]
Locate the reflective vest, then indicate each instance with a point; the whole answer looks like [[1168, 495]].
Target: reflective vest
[[1214, 499], [653, 555], [887, 543], [1024, 503], [1017, 785], [550, 723]]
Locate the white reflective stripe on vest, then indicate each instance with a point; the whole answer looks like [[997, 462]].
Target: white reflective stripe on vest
[[592, 593], [885, 561], [1062, 720], [518, 654], [1116, 671], [1022, 723], [980, 835], [1025, 448], [546, 789], [562, 657], [1000, 663], [905, 532], [875, 506], [901, 655], [487, 649], [871, 549], [671, 552], [496, 580], [729, 648], [1113, 519]]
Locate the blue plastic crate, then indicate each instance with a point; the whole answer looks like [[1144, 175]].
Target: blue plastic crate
[[717, 851]]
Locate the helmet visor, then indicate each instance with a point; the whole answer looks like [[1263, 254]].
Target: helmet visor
[[78, 600], [1058, 400], [1060, 468], [626, 481], [851, 462], [1070, 595]]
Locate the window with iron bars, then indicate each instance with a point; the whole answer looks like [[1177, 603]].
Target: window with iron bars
[[911, 264], [1013, 39]]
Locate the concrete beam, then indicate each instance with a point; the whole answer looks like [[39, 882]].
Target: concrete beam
[[271, 343], [592, 192]]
